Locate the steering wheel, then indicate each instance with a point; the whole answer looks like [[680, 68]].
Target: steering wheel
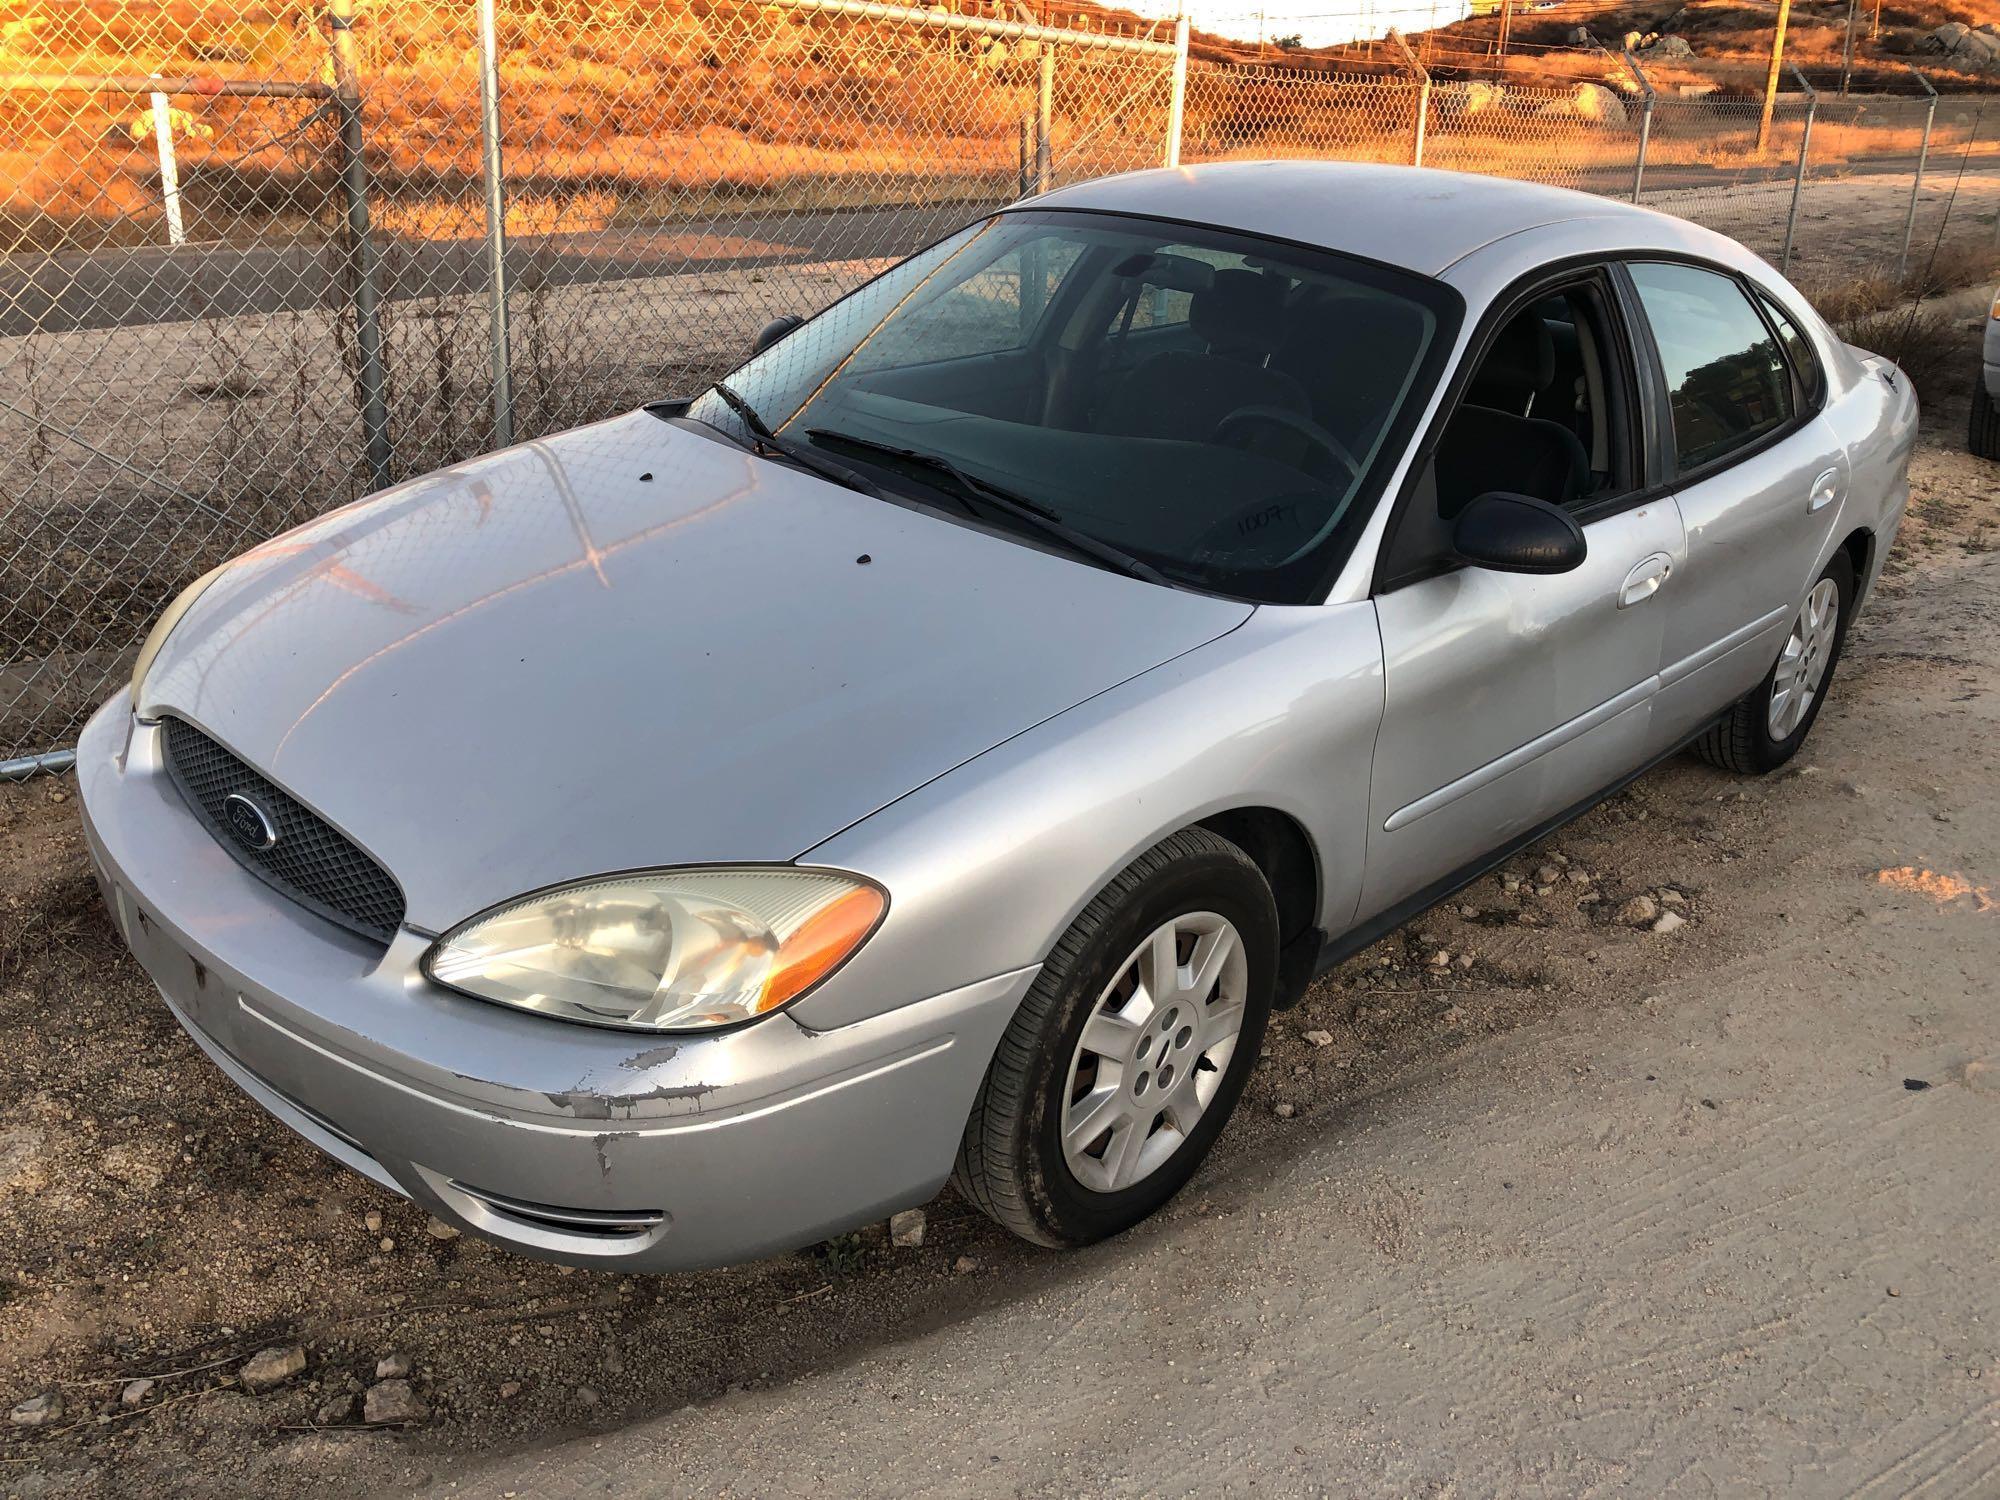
[[1305, 427]]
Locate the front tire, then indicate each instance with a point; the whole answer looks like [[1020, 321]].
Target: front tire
[[1131, 1049], [1765, 728]]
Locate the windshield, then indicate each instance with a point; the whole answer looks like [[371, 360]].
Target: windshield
[[1207, 408]]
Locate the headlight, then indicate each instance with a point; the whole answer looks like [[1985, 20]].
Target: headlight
[[164, 627], [673, 950]]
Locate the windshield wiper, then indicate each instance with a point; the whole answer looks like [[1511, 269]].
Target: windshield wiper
[[971, 489], [762, 438]]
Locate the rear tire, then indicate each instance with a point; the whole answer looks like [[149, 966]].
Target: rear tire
[[1765, 728], [1076, 1135], [1982, 436]]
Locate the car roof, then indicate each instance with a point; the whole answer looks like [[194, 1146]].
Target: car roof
[[1416, 217]]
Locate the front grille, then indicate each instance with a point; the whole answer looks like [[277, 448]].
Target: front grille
[[310, 861]]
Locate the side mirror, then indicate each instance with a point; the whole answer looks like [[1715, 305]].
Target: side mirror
[[774, 330], [1518, 534]]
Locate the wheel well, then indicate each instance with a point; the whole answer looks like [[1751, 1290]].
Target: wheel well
[[1859, 547], [1282, 850]]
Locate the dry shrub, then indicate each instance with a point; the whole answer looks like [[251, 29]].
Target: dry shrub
[[1952, 268], [1921, 340]]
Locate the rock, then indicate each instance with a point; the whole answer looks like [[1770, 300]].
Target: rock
[[1580, 876], [135, 1392], [1671, 897], [437, 1229], [393, 1402], [388, 1244], [1670, 46], [268, 1369], [333, 1413], [1441, 959], [1320, 1038], [38, 1411], [1637, 912], [1669, 922], [393, 1367], [509, 1389], [1588, 101], [1547, 874], [906, 1229], [1284, 1111], [372, 1221], [1468, 912], [965, 1265], [587, 1396]]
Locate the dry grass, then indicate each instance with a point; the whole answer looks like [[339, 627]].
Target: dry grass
[[1919, 339]]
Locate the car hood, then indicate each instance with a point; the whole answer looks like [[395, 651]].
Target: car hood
[[635, 645]]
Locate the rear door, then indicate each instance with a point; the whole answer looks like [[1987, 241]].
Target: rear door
[[1758, 475], [1510, 699]]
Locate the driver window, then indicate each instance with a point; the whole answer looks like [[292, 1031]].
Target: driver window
[[1543, 412]]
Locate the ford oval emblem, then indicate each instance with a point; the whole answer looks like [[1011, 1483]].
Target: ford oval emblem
[[248, 823]]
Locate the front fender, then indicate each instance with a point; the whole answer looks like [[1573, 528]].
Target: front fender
[[988, 865]]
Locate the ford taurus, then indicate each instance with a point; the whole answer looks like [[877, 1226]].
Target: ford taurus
[[934, 750]]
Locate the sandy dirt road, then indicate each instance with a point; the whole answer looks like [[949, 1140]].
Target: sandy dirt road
[[1582, 1208]]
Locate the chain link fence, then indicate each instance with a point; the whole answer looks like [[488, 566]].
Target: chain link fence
[[258, 261]]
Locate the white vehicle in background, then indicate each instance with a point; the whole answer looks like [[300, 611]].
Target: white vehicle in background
[[1983, 429]]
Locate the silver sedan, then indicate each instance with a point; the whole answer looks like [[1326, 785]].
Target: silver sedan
[[934, 751]]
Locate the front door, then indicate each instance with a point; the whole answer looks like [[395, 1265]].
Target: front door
[[1510, 699]]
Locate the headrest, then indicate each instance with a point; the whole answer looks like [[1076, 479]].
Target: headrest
[[1520, 362], [1177, 273], [1242, 312]]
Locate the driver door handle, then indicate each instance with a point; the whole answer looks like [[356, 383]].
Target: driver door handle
[[1644, 580], [1825, 490]]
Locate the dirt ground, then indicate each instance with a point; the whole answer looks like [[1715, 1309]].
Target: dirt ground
[[1743, 1253]]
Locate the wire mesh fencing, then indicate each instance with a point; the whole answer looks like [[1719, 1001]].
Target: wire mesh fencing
[[257, 262], [254, 264]]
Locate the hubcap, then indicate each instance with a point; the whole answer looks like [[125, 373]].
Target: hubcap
[[1803, 663], [1154, 1051]]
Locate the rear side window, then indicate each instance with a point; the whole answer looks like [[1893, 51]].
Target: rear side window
[[1727, 380], [1798, 348]]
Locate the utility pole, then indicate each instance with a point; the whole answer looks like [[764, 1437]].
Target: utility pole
[[1771, 78], [1506, 25], [1847, 44], [1875, 29]]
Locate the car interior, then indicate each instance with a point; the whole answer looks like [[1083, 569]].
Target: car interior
[[1249, 396], [1540, 415]]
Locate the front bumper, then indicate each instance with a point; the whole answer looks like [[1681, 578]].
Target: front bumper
[[577, 1144]]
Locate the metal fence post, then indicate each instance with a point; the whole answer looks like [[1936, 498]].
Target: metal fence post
[[1177, 93], [1799, 172], [496, 223], [1423, 94], [371, 377], [1917, 182], [1045, 111], [1645, 122], [170, 176]]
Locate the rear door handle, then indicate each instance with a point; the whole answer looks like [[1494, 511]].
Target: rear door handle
[[1644, 580], [1825, 490]]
